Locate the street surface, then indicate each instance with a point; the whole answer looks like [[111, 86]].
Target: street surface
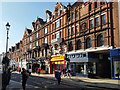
[[41, 82]]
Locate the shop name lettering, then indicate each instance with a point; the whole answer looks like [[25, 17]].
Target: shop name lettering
[[76, 55]]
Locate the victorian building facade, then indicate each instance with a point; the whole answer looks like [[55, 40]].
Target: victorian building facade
[[77, 37]]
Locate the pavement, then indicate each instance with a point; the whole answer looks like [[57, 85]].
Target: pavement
[[100, 83]]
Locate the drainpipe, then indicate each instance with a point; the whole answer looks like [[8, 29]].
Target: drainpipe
[[119, 19]]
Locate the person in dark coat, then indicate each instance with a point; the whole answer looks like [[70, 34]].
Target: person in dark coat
[[24, 78], [4, 80], [59, 77], [9, 75]]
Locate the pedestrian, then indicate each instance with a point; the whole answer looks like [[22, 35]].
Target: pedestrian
[[30, 70], [59, 77], [38, 71], [68, 73], [9, 75], [4, 80], [25, 76]]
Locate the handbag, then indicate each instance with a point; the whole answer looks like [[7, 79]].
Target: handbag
[[27, 74]]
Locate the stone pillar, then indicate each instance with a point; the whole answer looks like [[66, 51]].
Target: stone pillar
[[31, 67], [74, 68], [85, 68]]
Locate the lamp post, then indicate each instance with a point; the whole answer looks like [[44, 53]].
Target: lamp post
[[7, 28]]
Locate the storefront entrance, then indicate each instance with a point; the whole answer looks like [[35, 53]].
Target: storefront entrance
[[35, 67], [57, 64], [115, 63], [83, 68]]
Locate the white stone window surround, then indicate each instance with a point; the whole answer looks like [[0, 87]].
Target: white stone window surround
[[61, 20], [45, 39], [91, 19], [57, 23], [103, 13], [61, 33], [45, 30], [96, 16], [30, 45], [36, 43], [37, 35]]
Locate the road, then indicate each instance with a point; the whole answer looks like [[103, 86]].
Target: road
[[41, 82]]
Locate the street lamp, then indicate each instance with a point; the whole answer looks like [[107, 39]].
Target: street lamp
[[7, 28]]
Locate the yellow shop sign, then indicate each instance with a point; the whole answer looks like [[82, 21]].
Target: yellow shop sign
[[58, 58]]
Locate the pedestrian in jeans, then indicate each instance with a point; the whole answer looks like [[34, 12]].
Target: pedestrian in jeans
[[68, 73], [25, 75]]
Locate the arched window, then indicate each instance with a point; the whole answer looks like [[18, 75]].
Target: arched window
[[100, 40], [70, 46], [88, 43], [79, 44]]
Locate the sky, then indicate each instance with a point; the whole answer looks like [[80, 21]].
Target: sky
[[20, 14]]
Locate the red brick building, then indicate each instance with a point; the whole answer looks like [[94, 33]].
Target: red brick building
[[77, 37]]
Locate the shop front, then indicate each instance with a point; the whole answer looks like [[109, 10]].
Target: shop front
[[57, 63], [115, 63], [82, 64]]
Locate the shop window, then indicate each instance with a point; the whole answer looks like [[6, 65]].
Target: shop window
[[103, 19], [91, 68], [117, 69], [78, 44], [88, 43], [100, 40]]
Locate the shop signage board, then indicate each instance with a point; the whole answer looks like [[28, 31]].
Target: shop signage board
[[82, 57], [58, 58]]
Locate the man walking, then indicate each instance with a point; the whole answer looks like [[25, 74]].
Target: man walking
[[25, 76]]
